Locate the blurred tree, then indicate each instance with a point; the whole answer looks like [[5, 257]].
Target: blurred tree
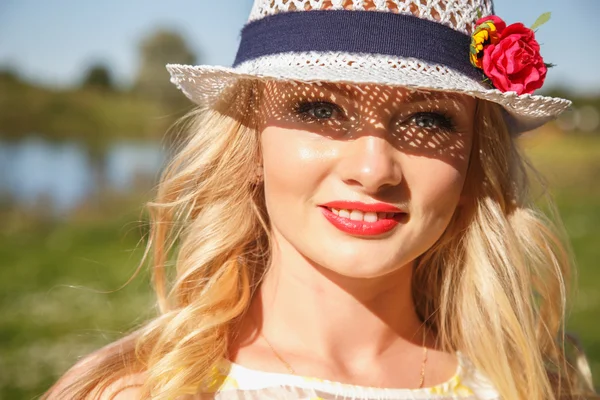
[[161, 48], [8, 75], [98, 77]]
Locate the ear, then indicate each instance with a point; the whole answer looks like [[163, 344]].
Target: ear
[[258, 175], [466, 194]]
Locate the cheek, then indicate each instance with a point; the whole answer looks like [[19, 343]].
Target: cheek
[[435, 187], [294, 164]]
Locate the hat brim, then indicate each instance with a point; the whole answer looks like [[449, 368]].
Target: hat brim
[[204, 84]]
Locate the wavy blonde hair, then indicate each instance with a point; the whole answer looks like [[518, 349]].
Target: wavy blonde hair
[[494, 286]]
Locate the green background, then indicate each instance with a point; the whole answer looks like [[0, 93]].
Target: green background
[[60, 285]]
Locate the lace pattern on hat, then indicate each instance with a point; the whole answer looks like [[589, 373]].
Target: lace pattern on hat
[[458, 15]]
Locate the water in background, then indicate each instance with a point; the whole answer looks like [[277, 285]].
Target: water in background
[[65, 174]]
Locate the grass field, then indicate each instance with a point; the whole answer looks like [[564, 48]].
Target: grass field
[[572, 168], [54, 309]]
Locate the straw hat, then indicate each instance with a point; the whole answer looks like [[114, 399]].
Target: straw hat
[[448, 45]]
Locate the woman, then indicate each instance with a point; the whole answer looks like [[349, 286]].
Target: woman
[[349, 218]]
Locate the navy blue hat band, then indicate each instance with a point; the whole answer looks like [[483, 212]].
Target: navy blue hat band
[[371, 32]]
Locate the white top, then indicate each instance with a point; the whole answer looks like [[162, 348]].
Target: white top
[[235, 382]]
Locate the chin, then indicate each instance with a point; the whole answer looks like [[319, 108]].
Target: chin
[[359, 262], [365, 273]]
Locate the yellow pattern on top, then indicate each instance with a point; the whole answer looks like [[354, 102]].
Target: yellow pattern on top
[[235, 382]]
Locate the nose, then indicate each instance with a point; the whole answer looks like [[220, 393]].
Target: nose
[[372, 163]]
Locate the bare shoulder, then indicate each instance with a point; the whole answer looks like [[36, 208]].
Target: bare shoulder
[[125, 388], [84, 379], [128, 387]]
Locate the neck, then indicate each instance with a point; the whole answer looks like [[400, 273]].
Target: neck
[[334, 317]]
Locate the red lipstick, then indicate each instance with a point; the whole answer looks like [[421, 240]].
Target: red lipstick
[[364, 207], [384, 223]]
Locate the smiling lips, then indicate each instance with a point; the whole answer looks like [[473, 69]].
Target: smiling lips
[[362, 219]]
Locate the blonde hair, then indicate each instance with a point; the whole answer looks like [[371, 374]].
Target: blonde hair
[[494, 286]]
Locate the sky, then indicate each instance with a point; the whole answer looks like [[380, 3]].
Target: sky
[[54, 42]]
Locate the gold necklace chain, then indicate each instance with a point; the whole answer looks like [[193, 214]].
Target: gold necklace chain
[[287, 365], [293, 372]]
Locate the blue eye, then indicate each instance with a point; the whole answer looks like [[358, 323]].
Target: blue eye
[[317, 110], [432, 120]]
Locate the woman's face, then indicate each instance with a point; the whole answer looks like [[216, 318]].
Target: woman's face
[[362, 179]]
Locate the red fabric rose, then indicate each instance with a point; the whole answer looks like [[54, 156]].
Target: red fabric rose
[[499, 22], [515, 63]]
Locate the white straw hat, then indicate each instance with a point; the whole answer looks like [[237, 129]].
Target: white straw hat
[[421, 44]]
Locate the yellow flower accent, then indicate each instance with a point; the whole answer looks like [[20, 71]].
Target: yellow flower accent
[[311, 379], [455, 387], [484, 34], [219, 381]]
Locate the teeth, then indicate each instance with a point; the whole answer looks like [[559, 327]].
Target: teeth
[[370, 217], [357, 215]]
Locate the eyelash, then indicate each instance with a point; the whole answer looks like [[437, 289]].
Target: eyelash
[[306, 109], [444, 121], [303, 109]]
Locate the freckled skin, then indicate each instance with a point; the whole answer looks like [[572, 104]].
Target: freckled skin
[[376, 144]]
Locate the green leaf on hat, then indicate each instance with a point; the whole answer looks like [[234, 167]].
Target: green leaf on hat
[[479, 13], [542, 19]]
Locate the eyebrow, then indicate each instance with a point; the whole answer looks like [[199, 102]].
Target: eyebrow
[[339, 88], [409, 96]]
